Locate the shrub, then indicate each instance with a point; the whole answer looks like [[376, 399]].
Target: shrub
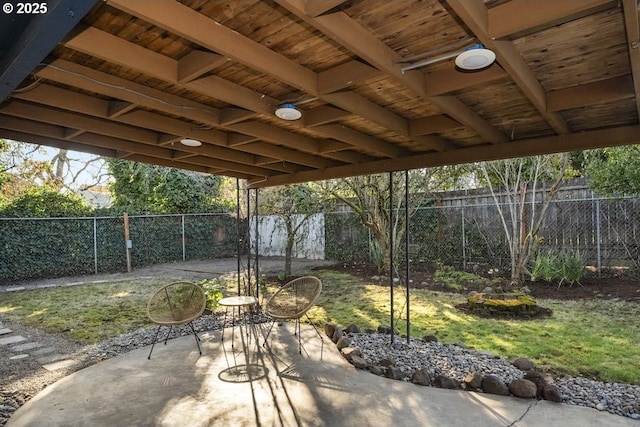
[[572, 268], [564, 267], [454, 279], [545, 267], [213, 290]]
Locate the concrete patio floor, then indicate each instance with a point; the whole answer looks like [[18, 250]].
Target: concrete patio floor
[[248, 386]]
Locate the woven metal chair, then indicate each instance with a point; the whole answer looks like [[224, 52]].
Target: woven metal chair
[[175, 304], [292, 301]]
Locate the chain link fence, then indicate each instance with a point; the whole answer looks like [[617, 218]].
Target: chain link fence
[[470, 236], [32, 248], [457, 230]]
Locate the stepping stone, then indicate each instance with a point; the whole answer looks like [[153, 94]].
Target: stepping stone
[[18, 356], [5, 331], [27, 346], [52, 358], [43, 351], [12, 340], [59, 365]]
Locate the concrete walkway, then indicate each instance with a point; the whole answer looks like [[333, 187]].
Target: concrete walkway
[[248, 386]]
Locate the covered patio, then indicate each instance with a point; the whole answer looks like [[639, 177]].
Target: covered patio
[[289, 91]]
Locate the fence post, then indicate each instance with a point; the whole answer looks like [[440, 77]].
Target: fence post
[[127, 241], [95, 245], [464, 251], [184, 252], [598, 253]]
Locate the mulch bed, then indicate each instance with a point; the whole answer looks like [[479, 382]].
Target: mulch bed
[[591, 287]]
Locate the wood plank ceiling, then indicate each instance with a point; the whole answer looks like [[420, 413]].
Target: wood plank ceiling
[[135, 77]]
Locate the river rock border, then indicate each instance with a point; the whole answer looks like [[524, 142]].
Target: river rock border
[[530, 385]]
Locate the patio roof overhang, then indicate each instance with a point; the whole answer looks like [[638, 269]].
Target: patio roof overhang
[[132, 78]]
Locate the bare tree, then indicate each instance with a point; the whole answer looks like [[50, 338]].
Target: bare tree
[[369, 198], [293, 205], [521, 181]]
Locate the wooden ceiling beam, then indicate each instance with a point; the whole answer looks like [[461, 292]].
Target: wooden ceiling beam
[[432, 124], [323, 115], [462, 114], [345, 75], [632, 27], [361, 141], [318, 7], [118, 108], [197, 63], [75, 75], [475, 16], [278, 136], [517, 16], [362, 107], [603, 91], [446, 81], [529, 147], [50, 141], [230, 115], [198, 28], [175, 164], [287, 154], [77, 121]]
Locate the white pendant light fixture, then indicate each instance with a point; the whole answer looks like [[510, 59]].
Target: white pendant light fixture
[[288, 112], [189, 142], [475, 57]]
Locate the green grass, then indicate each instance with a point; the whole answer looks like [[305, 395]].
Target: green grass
[[87, 313], [598, 339]]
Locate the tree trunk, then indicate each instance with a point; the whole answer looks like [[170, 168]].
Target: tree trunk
[[288, 250]]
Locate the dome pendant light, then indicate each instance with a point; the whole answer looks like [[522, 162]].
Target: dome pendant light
[[288, 112], [189, 142], [475, 58]]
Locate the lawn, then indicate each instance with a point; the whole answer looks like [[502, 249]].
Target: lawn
[[597, 339]]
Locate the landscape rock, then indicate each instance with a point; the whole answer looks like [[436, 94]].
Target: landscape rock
[[523, 388], [393, 373], [349, 352], [337, 334], [385, 362], [523, 364], [358, 362], [384, 329], [430, 338], [493, 385], [376, 370], [539, 380], [421, 377], [352, 329], [474, 380], [443, 381], [343, 342], [551, 393], [329, 329], [487, 290]]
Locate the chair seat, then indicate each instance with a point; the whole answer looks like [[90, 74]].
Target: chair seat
[[177, 303], [293, 300]]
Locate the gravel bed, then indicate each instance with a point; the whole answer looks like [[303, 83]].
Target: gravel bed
[[457, 362], [454, 361]]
